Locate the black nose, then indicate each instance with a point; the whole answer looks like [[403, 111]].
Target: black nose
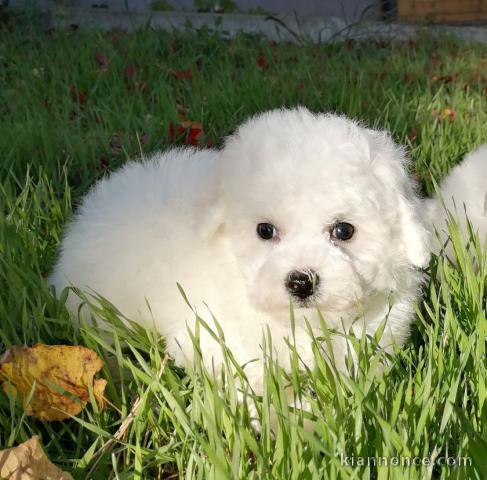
[[302, 283]]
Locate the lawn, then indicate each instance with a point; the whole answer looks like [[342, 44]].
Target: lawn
[[75, 105]]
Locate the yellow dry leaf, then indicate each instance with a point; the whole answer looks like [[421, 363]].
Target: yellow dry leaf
[[28, 461], [62, 375]]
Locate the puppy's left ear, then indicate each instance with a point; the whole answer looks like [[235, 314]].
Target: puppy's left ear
[[391, 165]]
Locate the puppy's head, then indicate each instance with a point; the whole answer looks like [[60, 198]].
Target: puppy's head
[[318, 210]]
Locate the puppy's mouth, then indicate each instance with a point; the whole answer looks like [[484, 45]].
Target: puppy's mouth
[[312, 301]]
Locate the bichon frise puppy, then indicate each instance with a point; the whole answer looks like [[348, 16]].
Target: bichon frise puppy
[[311, 209], [464, 194]]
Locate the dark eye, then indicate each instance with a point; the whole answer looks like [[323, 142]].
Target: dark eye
[[342, 231], [266, 231]]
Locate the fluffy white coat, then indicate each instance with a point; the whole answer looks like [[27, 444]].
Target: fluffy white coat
[[464, 194], [189, 217]]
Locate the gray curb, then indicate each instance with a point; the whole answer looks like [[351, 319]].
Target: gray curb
[[317, 29]]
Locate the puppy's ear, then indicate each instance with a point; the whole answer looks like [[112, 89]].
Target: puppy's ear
[[391, 165]]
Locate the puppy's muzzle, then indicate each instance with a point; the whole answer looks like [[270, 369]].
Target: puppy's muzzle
[[302, 283]]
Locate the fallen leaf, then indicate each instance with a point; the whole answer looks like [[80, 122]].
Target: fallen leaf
[[102, 61], [444, 79], [410, 78], [28, 461], [144, 138], [449, 113], [413, 135], [193, 137], [129, 71], [172, 132], [62, 376], [77, 95], [262, 62], [181, 74], [190, 132], [445, 114], [190, 124]]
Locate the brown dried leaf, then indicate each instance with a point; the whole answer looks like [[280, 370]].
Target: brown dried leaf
[[28, 461], [63, 376]]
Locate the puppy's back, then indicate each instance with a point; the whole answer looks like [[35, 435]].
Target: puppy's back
[[129, 227], [464, 191]]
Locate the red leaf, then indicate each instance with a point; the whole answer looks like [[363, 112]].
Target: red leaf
[[181, 74], [262, 62], [144, 138], [172, 133], [189, 131], [77, 95], [410, 78], [102, 61], [129, 71], [193, 137]]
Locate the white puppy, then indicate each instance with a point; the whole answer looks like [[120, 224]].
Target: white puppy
[[310, 209], [464, 194]]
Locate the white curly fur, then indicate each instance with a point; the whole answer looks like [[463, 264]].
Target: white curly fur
[[189, 216], [464, 194]]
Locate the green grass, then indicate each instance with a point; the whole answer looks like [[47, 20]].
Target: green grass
[[431, 398]]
